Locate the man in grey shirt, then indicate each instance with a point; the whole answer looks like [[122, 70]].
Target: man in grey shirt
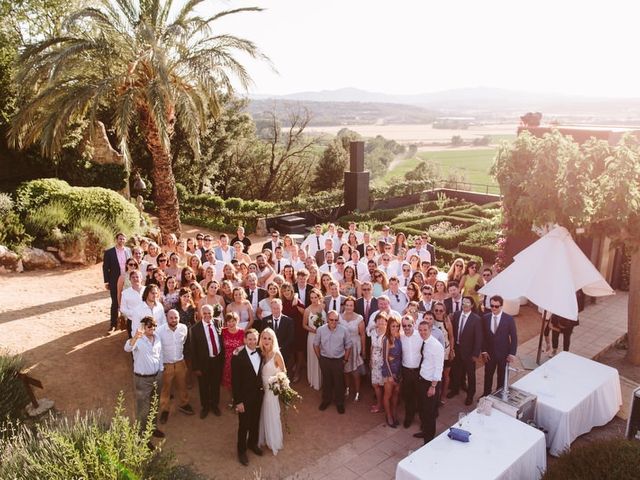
[[333, 347]]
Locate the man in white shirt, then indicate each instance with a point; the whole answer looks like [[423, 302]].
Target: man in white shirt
[[334, 301], [328, 266], [339, 273], [264, 271], [224, 252], [431, 367], [398, 300], [150, 307], [411, 346], [279, 261], [147, 368], [386, 237], [298, 263], [420, 250], [173, 336], [387, 266], [218, 265], [404, 276], [131, 298], [362, 274], [383, 306], [314, 242]]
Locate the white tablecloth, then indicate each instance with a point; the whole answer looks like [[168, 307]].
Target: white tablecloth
[[575, 394], [500, 447]]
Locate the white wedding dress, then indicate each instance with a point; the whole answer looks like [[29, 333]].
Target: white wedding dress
[[270, 424]]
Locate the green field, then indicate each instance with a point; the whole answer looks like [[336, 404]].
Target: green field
[[475, 164]]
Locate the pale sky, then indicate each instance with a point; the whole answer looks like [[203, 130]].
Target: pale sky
[[416, 46]]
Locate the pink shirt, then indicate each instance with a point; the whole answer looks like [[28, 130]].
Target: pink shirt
[[121, 253]]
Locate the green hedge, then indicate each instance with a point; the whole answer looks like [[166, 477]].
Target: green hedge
[[608, 459], [487, 252], [80, 201]]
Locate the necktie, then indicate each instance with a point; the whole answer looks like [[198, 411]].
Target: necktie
[[318, 242], [457, 307], [334, 304], [355, 269], [329, 267], [494, 324], [275, 323], [463, 319], [214, 345], [397, 298], [406, 281], [421, 355], [278, 266], [254, 352]]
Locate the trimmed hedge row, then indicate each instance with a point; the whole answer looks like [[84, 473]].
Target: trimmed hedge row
[[487, 252]]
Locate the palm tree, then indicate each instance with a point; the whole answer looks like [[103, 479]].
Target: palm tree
[[144, 63]]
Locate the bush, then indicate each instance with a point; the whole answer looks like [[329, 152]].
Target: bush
[[486, 251], [12, 231], [108, 175], [619, 459], [233, 203], [78, 200], [35, 193], [87, 447], [183, 193], [14, 395]]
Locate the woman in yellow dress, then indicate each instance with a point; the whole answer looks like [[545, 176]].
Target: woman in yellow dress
[[471, 282]]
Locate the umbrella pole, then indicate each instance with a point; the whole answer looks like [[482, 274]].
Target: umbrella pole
[[544, 314]]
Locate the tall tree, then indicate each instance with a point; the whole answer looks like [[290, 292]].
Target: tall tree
[[594, 186], [329, 173], [150, 64]]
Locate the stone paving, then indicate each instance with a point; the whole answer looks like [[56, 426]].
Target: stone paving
[[375, 454]]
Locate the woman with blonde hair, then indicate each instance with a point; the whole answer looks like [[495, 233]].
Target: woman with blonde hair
[[270, 431], [196, 265], [240, 255], [314, 317], [379, 282], [209, 276], [391, 366], [456, 271], [242, 308]]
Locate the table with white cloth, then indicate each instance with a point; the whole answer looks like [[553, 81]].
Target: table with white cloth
[[500, 447], [574, 394]]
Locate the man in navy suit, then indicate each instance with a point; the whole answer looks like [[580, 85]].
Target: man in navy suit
[[113, 265], [467, 335], [500, 342]]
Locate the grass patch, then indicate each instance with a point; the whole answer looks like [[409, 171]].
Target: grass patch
[[475, 164]]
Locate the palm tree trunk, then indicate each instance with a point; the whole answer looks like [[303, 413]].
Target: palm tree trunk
[[633, 354], [165, 193]]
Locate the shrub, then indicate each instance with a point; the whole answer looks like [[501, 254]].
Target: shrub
[[35, 193], [87, 447], [14, 395], [233, 203], [109, 175], [619, 459], [486, 251], [12, 231], [183, 193]]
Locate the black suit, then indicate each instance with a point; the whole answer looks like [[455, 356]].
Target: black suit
[[210, 367], [321, 256], [307, 293], [247, 389], [432, 250], [284, 334], [270, 246], [359, 309], [362, 248], [469, 346], [448, 304], [111, 273]]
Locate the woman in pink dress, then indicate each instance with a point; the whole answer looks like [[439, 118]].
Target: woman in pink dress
[[232, 338]]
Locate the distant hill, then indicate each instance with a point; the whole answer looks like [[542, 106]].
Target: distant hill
[[483, 103]]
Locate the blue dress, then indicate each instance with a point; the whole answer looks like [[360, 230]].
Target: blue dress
[[392, 359]]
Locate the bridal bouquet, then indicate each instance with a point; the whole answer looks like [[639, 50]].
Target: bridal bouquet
[[280, 385], [317, 321]]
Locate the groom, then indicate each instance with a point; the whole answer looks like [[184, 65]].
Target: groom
[[246, 380]]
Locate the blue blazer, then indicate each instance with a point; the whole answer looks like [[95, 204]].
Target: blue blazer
[[502, 343]]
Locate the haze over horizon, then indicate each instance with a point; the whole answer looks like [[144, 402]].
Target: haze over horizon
[[417, 47]]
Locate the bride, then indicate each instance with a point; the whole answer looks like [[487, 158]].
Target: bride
[[270, 424]]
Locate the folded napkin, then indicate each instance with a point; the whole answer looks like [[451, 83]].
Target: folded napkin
[[458, 434]]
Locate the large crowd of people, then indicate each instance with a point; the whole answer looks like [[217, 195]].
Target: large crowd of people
[[341, 309]]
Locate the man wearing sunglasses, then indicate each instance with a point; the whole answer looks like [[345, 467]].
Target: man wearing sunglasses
[[500, 342]]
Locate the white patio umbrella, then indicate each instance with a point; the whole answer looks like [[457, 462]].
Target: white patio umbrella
[[549, 272]]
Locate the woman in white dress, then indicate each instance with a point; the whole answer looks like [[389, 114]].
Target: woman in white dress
[[314, 312], [242, 307], [270, 433]]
